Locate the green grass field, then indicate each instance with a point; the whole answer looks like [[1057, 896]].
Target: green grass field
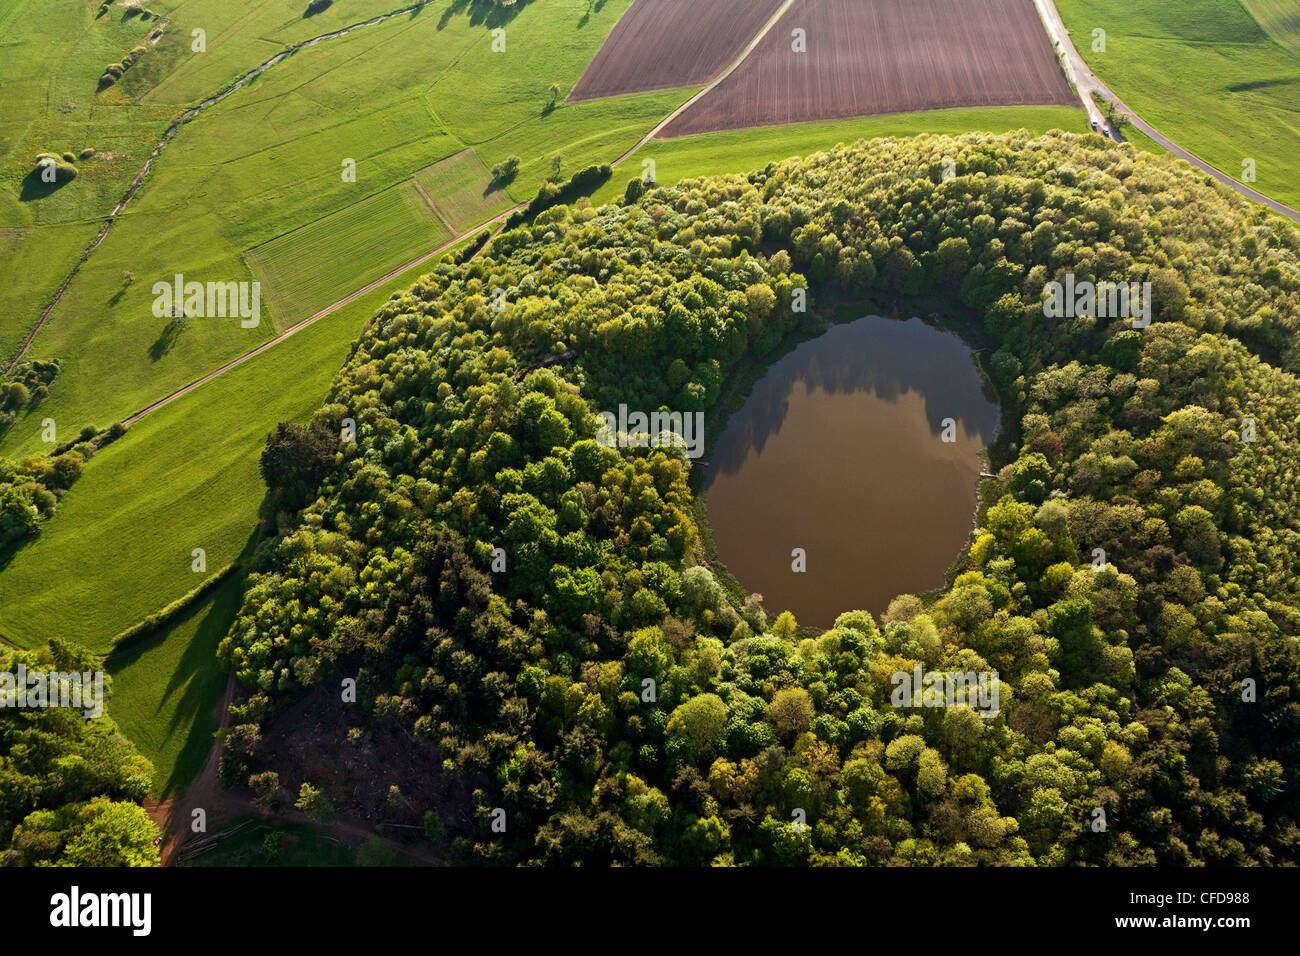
[[312, 267], [268, 160], [54, 54], [56, 50], [1142, 141], [167, 684], [1279, 18], [462, 188], [32, 265], [1208, 76], [239, 37], [739, 151], [486, 92]]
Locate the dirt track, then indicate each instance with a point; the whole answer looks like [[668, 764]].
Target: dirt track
[[887, 56], [495, 224], [663, 44]]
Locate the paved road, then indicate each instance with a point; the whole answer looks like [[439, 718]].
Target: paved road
[[1087, 83]]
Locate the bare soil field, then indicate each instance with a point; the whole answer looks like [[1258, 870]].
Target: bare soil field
[[866, 57], [663, 44]]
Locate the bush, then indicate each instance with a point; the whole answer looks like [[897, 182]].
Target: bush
[[465, 253], [17, 394], [314, 803], [64, 171]]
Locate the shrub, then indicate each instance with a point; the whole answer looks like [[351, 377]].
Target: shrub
[[64, 171], [18, 394], [314, 803]]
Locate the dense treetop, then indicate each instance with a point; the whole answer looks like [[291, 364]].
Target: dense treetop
[[621, 704], [70, 786]]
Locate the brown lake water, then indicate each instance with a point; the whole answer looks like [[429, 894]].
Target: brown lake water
[[839, 450]]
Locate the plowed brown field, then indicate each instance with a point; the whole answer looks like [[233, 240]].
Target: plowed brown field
[[662, 44], [866, 57]]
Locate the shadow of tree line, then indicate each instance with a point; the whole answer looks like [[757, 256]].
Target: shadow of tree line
[[487, 13]]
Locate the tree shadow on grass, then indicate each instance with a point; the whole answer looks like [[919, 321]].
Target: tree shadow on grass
[[8, 552], [168, 338], [36, 188], [591, 8], [482, 13], [121, 291], [199, 678], [317, 6]]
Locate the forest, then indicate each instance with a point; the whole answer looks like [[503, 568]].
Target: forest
[[540, 609]]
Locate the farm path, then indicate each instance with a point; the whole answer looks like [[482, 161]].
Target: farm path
[[730, 68], [299, 326], [203, 792], [433, 205], [1087, 83]]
